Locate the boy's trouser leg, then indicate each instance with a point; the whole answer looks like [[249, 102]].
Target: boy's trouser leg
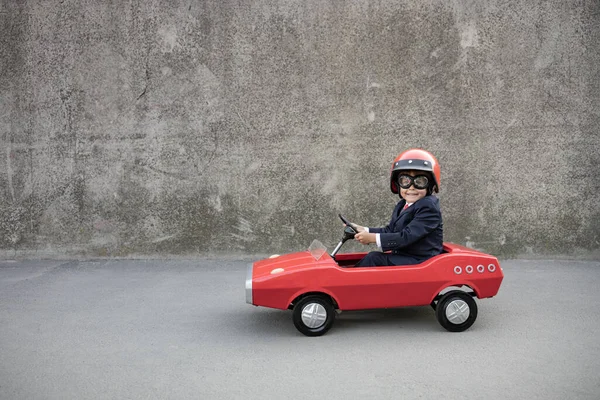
[[373, 259], [379, 259]]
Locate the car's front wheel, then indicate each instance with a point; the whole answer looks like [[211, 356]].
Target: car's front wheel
[[456, 311], [313, 315]]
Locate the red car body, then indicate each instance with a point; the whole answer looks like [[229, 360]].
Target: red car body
[[277, 282]]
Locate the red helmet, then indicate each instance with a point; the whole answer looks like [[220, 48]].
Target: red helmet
[[419, 160]]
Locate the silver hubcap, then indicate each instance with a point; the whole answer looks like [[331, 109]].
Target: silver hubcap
[[457, 311], [314, 315]]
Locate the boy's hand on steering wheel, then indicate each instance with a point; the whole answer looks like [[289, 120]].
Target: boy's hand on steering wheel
[[357, 227], [365, 237]]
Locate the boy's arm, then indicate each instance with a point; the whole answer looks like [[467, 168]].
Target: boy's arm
[[388, 227], [385, 229], [426, 219]]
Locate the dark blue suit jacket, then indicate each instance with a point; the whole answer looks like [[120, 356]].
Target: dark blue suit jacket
[[414, 234]]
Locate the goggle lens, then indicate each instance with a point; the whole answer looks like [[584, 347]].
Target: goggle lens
[[419, 181]]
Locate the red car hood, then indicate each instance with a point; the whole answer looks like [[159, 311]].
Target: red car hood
[[289, 262]]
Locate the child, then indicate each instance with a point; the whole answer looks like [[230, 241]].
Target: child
[[414, 233]]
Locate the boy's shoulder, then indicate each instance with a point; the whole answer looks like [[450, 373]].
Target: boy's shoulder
[[428, 201]]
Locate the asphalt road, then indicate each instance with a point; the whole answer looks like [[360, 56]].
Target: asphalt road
[[143, 329]]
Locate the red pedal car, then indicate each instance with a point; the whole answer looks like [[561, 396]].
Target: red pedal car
[[314, 284]]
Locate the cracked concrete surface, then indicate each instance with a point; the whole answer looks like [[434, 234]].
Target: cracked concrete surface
[[193, 128]]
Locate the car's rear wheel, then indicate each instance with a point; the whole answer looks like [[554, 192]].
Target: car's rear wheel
[[456, 311], [313, 315]]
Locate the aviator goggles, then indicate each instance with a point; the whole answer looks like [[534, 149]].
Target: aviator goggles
[[419, 181]]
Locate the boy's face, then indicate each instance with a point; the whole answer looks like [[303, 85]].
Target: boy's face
[[412, 194]]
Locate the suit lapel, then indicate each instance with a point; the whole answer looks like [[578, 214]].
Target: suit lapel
[[399, 209]]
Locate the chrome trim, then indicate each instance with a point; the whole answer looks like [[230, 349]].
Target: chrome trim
[[457, 311], [249, 283]]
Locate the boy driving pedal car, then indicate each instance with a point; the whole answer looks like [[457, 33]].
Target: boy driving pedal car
[[415, 231]]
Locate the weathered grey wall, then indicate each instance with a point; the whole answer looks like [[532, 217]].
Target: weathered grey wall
[[205, 127]]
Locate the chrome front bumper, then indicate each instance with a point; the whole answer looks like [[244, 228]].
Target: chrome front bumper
[[249, 283]]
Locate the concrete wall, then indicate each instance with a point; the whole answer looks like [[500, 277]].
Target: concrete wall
[[212, 127]]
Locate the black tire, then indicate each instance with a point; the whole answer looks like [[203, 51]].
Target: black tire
[[460, 303], [318, 313]]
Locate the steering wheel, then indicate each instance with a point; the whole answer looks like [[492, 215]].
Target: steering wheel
[[348, 223]]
